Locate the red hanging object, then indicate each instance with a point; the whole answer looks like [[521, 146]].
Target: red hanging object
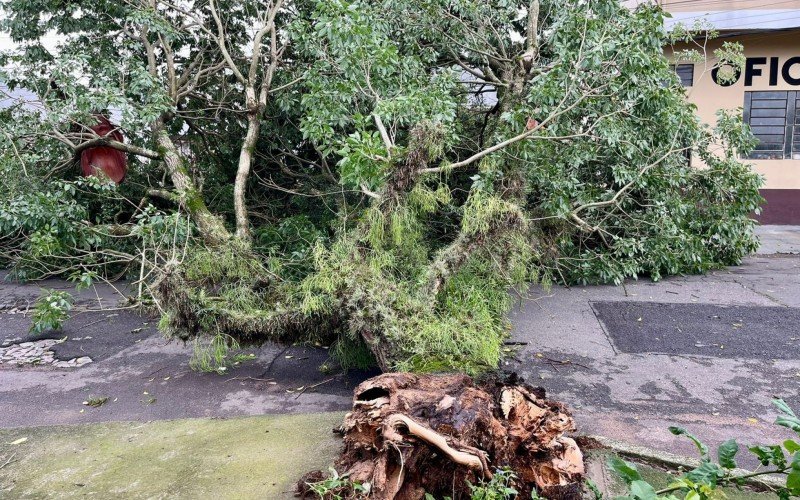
[[113, 163]]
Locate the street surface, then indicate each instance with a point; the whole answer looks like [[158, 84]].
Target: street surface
[[705, 352]]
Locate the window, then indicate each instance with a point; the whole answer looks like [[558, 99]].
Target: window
[[775, 122], [685, 73]]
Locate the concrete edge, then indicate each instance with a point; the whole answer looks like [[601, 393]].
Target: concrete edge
[[672, 460]]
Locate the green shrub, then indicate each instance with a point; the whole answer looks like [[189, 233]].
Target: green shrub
[[51, 311]]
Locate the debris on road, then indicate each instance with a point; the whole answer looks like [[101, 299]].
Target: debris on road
[[96, 401]]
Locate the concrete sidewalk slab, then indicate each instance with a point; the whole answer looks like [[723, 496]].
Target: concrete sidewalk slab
[[243, 458], [635, 397], [778, 239]]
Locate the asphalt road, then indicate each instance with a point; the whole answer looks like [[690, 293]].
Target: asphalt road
[[709, 330], [145, 376], [585, 345]]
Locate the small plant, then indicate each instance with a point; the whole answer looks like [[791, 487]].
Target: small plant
[[242, 358], [327, 368], [96, 401], [51, 311], [339, 487], [593, 489], [212, 355], [703, 482], [498, 488]]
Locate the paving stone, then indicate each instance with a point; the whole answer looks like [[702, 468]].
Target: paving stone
[[83, 360], [38, 353]]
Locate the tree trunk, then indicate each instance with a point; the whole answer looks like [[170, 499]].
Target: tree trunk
[[211, 228], [245, 163]]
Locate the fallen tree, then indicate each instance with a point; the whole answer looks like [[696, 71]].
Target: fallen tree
[[408, 435], [410, 173]]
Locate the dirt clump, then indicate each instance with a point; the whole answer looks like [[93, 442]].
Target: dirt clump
[[408, 435]]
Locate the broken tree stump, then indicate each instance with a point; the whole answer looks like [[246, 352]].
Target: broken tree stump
[[408, 435]]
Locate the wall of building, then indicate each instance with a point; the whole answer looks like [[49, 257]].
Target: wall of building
[[782, 176], [716, 5], [725, 5]]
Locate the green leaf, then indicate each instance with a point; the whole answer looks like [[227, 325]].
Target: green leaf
[[782, 406], [788, 419], [727, 452], [791, 445], [626, 470], [592, 486], [770, 455], [708, 473], [792, 423], [762, 453], [643, 490], [680, 431], [793, 482]]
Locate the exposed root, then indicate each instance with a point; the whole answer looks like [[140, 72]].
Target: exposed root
[[408, 435], [474, 461]]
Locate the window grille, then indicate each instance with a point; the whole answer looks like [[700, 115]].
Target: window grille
[[774, 120]]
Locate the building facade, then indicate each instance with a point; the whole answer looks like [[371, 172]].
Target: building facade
[[767, 89]]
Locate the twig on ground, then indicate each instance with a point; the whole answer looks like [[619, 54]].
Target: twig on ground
[[95, 322], [565, 362], [269, 366], [10, 460], [251, 378], [160, 369], [314, 386]]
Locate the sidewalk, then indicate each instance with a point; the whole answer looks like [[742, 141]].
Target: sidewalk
[[243, 458], [144, 376], [704, 352], [779, 239]]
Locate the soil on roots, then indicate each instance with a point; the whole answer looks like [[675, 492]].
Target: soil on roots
[[408, 435]]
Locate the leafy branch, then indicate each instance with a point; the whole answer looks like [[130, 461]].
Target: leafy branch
[[701, 482]]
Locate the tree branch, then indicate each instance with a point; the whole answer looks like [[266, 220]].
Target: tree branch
[[384, 135], [223, 47], [371, 194], [119, 146], [615, 199], [486, 152]]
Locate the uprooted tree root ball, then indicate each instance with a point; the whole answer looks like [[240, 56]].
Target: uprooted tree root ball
[[408, 435]]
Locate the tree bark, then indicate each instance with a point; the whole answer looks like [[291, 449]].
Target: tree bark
[[211, 228], [245, 163], [255, 104], [533, 28]]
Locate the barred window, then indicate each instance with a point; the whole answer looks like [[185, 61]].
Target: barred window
[[685, 73], [774, 120]]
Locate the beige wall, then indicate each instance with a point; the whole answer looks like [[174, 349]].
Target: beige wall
[[708, 96]]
